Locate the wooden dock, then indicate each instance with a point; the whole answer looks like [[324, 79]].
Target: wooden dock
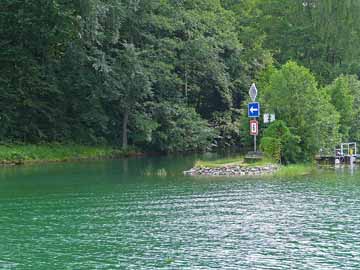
[[345, 154], [336, 160]]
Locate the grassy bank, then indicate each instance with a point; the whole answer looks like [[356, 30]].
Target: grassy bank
[[295, 170], [20, 154]]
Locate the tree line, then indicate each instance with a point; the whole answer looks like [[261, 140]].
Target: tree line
[[173, 75]]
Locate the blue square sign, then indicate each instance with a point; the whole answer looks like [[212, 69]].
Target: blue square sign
[[254, 109]]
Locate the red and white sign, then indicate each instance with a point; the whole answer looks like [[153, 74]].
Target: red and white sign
[[254, 127]]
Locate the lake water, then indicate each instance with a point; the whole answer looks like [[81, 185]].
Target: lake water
[[142, 213]]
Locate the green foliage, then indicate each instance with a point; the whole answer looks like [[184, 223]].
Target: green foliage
[[147, 73], [343, 100], [293, 95], [55, 152], [86, 71], [272, 147], [228, 126], [33, 42], [321, 35], [279, 143], [181, 129], [345, 95], [354, 85], [295, 170]]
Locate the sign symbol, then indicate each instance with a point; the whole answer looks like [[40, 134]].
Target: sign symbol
[[253, 92], [252, 109]]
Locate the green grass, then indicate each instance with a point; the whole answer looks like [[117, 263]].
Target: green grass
[[55, 153], [234, 161], [220, 162], [295, 170]]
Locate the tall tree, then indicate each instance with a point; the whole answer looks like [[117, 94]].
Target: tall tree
[[343, 100], [34, 36], [292, 94], [321, 35], [128, 85]]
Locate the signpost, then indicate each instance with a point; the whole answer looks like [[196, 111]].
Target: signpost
[[254, 112]]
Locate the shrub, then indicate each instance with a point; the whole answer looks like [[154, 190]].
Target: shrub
[[280, 144], [271, 147]]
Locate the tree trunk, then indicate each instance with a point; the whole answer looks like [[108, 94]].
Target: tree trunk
[[186, 86], [124, 129]]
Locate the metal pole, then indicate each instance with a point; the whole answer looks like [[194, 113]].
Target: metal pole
[[254, 143]]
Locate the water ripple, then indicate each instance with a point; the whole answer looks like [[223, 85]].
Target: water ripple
[[181, 223]]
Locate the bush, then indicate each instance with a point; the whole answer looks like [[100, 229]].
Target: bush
[[271, 147], [280, 144]]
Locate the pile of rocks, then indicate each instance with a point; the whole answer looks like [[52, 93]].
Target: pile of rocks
[[233, 170]]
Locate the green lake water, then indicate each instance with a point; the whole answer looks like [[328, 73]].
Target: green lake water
[[142, 213]]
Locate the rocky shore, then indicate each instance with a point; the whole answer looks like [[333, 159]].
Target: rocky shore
[[232, 170]]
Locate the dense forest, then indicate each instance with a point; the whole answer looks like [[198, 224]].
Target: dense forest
[[173, 75]]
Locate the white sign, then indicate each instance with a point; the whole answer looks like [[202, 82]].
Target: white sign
[[269, 118], [272, 118], [253, 92], [266, 118]]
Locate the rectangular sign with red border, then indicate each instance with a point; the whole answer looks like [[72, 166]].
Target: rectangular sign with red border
[[254, 127]]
